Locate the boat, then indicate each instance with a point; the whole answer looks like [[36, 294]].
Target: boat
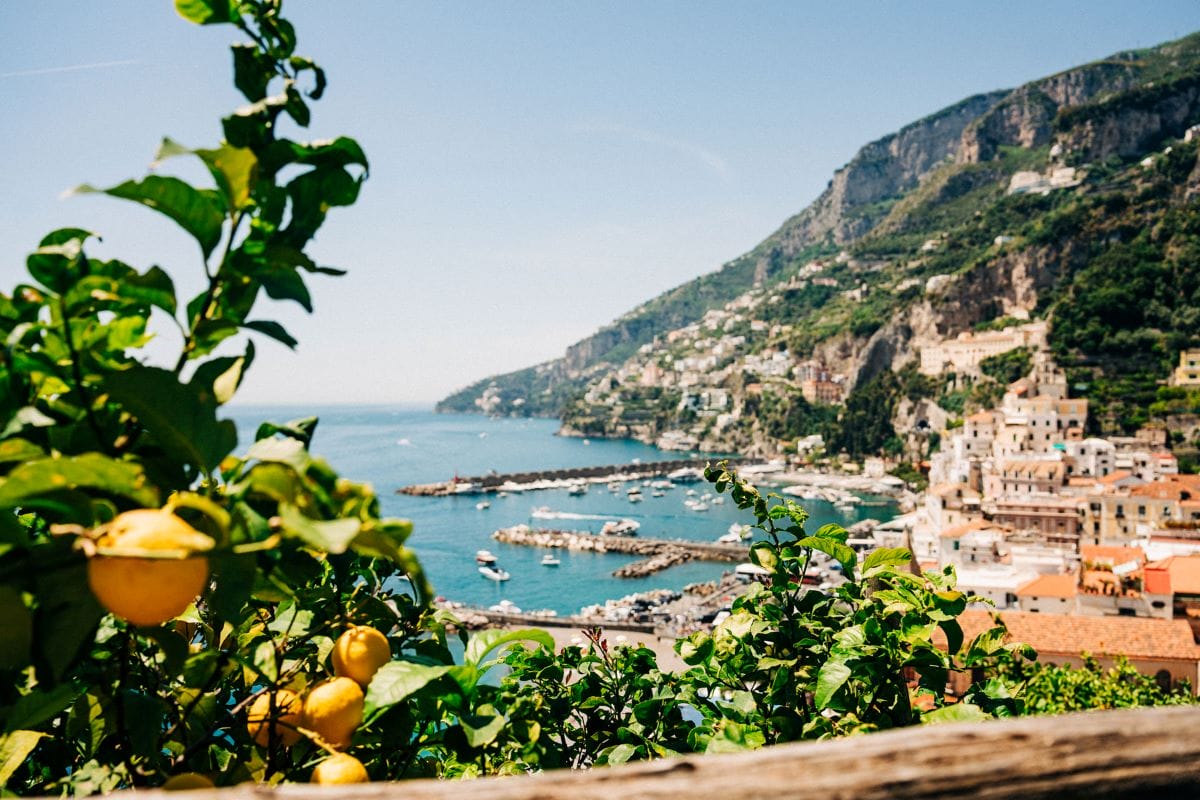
[[635, 498], [485, 557], [635, 489], [550, 560], [696, 505], [690, 492], [738, 532], [579, 488], [626, 527], [505, 607], [657, 493], [502, 494], [494, 573], [718, 500], [483, 504]]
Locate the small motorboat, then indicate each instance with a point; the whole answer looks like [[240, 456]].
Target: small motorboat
[[550, 560], [577, 489], [485, 557], [626, 527], [657, 493], [483, 504], [494, 573], [737, 533], [505, 607]]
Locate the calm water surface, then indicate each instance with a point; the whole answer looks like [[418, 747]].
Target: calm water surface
[[394, 447]]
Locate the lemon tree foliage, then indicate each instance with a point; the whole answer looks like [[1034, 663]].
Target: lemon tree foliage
[[228, 577]]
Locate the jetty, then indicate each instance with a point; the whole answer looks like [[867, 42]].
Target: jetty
[[691, 469], [658, 554]]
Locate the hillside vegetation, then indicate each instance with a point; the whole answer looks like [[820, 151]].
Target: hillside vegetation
[[1069, 199]]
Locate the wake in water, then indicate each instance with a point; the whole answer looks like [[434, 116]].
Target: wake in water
[[544, 512]]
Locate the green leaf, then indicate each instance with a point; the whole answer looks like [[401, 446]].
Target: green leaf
[[66, 617], [15, 747], [200, 212], [620, 754], [482, 727], [885, 556], [954, 635], [332, 536], [16, 629], [397, 680], [959, 712], [839, 552], [88, 471], [56, 264], [235, 170], [833, 676], [181, 417], [484, 642], [207, 12], [273, 330], [224, 375], [39, 707], [252, 71], [15, 450]]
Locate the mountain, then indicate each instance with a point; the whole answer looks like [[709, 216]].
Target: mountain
[[1070, 199]]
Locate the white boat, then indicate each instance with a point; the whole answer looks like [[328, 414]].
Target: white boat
[[635, 498], [626, 527], [485, 557], [657, 493], [550, 560], [494, 573], [634, 490], [690, 492], [737, 533], [696, 505], [505, 607], [579, 488], [502, 494], [483, 504], [719, 500]]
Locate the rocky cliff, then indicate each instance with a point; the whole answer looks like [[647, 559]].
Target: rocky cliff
[[973, 214]]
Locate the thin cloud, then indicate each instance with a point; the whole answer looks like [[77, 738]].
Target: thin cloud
[[691, 150], [72, 68]]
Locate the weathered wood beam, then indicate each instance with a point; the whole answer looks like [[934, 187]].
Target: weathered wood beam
[[1095, 755]]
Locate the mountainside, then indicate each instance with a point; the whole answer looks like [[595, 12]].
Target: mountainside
[[1070, 199]]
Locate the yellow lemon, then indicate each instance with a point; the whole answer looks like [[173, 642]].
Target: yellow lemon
[[148, 591], [359, 653], [334, 710], [186, 781], [286, 721], [340, 768]]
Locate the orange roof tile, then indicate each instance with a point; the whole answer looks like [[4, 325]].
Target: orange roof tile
[[1115, 477], [1185, 574], [1049, 586], [961, 530], [1069, 635], [1105, 554]]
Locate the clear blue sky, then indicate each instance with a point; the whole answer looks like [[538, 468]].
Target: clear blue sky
[[537, 168]]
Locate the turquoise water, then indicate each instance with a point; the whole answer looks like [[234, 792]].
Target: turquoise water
[[394, 447]]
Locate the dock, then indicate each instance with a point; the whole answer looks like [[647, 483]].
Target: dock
[[658, 554], [562, 478]]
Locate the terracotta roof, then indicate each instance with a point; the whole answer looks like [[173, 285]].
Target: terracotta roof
[[980, 416], [1049, 586], [1184, 572], [959, 489], [971, 525], [1104, 554], [1164, 489], [1040, 468], [1115, 477], [1069, 635]]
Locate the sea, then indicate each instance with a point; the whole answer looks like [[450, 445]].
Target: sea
[[390, 447]]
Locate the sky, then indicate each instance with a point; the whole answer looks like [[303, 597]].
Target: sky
[[537, 168]]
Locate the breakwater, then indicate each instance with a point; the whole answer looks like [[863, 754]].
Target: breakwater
[[563, 478], [658, 554]]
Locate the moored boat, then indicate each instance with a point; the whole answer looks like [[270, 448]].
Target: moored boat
[[494, 573]]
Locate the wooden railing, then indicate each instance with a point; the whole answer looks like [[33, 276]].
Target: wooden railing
[[1151, 753]]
